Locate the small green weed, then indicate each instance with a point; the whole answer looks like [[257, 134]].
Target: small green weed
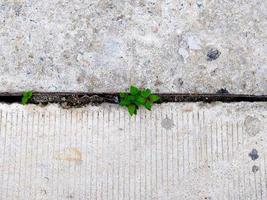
[[137, 98], [26, 96]]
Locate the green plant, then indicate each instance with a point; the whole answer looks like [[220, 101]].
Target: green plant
[[137, 98], [26, 96]]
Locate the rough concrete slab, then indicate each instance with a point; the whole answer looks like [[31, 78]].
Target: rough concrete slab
[[104, 46], [177, 151]]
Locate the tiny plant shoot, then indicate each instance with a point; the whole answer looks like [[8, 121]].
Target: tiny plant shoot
[[137, 98], [26, 96]]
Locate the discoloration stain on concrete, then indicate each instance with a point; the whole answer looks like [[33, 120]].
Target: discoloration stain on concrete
[[70, 154], [254, 154], [187, 109], [18, 9], [46, 178], [252, 125], [167, 123], [184, 53], [194, 43], [43, 192], [70, 196]]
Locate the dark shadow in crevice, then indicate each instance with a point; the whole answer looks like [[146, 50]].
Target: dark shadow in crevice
[[79, 99]]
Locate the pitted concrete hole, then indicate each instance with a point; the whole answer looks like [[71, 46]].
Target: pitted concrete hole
[[252, 125]]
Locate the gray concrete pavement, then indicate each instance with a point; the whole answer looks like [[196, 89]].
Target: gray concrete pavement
[[105, 46], [176, 151], [186, 151]]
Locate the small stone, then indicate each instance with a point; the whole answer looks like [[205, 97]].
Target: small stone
[[254, 154], [199, 3], [222, 91], [178, 82], [255, 168], [43, 192], [213, 54], [18, 9], [41, 59], [116, 99]]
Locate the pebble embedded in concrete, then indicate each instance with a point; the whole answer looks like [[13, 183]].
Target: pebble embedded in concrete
[[213, 54], [254, 154], [255, 168]]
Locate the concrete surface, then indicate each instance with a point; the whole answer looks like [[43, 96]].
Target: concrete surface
[[104, 46], [176, 151]]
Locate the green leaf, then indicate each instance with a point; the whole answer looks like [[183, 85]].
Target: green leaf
[[124, 102], [124, 99], [127, 100], [133, 98], [154, 98], [140, 100], [132, 109], [148, 105], [145, 93], [123, 94], [26, 96], [137, 97], [134, 90]]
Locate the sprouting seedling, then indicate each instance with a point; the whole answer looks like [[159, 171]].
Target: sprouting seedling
[[137, 98], [26, 96]]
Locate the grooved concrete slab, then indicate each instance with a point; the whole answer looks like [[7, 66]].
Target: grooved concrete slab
[[177, 151], [104, 46]]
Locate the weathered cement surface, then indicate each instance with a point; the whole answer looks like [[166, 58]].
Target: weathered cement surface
[[104, 46], [175, 152]]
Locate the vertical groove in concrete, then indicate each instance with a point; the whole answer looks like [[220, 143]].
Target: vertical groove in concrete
[[176, 151]]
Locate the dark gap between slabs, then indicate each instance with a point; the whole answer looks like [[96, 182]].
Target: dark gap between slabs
[[79, 99]]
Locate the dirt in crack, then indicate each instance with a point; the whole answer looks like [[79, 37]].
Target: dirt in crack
[[68, 100]]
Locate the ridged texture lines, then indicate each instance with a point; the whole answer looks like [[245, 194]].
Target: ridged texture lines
[[101, 153]]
